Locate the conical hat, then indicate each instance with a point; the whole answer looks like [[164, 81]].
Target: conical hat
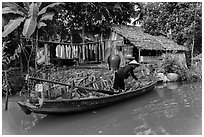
[[133, 62]]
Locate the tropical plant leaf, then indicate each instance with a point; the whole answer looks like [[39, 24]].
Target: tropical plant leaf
[[33, 11], [9, 4], [26, 5], [39, 4], [29, 27], [49, 6], [7, 10], [12, 25], [41, 24], [15, 7], [105, 10], [117, 7], [47, 16]]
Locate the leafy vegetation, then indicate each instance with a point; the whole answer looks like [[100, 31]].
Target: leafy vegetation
[[31, 19], [28, 17], [192, 74], [31, 14], [21, 20], [179, 21], [91, 17]]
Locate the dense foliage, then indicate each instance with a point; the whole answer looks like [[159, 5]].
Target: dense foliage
[[28, 19], [92, 17], [23, 19], [31, 19], [179, 21], [31, 14], [192, 74]]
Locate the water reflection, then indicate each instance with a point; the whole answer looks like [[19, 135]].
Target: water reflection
[[169, 109], [14, 121], [31, 121], [177, 105]]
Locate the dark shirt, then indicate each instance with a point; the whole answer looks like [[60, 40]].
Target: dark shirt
[[121, 74], [126, 71]]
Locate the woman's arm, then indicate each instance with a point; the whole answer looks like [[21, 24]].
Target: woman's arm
[[133, 75]]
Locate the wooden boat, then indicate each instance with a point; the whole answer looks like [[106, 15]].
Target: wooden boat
[[66, 106]]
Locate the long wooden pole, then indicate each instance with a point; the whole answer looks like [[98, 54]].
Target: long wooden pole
[[83, 43], [7, 90], [67, 43], [139, 55], [36, 49], [85, 88]]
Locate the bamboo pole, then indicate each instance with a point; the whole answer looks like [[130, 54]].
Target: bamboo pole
[[139, 54], [83, 45], [102, 48], [66, 43], [71, 90], [63, 43], [69, 85], [192, 48]]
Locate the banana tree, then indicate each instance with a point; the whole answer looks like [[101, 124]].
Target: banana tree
[[31, 14]]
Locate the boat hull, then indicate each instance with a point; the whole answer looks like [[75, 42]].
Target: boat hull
[[66, 106]]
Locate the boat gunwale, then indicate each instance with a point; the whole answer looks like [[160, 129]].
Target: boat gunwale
[[105, 97]]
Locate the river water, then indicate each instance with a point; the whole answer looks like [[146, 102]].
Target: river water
[[170, 109]]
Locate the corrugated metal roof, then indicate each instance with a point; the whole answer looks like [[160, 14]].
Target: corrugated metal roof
[[146, 41]]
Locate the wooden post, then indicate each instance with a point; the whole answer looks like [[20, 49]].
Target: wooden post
[[192, 48], [71, 40], [123, 62], [194, 23], [139, 55], [49, 84], [52, 53], [21, 43], [46, 53], [83, 44], [102, 48], [71, 90], [98, 49], [7, 90], [36, 50], [98, 52]]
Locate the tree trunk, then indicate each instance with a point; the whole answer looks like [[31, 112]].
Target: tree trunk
[[46, 53], [103, 48], [21, 44], [36, 50], [192, 48]]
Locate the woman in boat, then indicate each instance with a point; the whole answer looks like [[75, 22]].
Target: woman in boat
[[123, 73]]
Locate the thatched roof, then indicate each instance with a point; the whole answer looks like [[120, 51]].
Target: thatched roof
[[146, 41]]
